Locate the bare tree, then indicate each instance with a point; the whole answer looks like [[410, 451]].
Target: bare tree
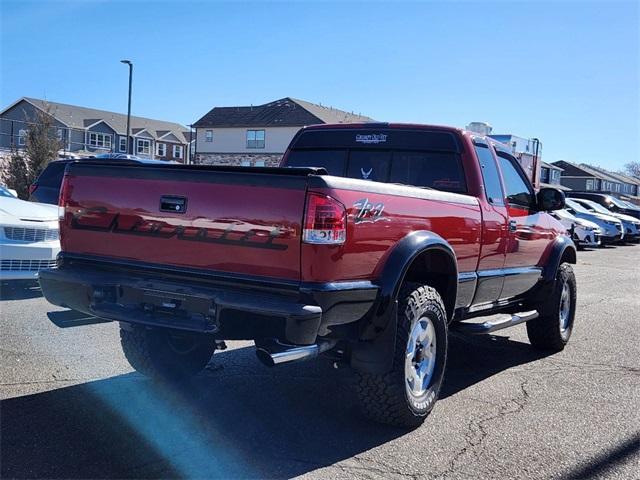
[[41, 147], [633, 169], [15, 174]]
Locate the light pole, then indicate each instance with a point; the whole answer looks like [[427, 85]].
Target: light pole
[[128, 62]]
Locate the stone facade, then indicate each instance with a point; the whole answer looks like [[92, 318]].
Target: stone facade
[[239, 159]]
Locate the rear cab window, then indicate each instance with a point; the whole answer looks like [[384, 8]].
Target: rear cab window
[[415, 158]]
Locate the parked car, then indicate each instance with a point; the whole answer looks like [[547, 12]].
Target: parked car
[[118, 156], [630, 225], [610, 227], [6, 190], [434, 227], [609, 202], [634, 209], [46, 188], [29, 238], [583, 232]]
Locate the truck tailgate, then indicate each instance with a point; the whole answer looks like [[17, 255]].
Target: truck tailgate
[[243, 221]]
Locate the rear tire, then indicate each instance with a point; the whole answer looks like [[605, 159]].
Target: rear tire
[[552, 329], [406, 394], [166, 353]]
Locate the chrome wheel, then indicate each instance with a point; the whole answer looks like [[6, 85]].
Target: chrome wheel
[[565, 309], [420, 359]]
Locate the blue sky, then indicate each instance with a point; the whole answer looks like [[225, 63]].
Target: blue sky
[[565, 72]]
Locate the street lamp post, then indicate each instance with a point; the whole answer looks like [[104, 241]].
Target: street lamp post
[[128, 62]]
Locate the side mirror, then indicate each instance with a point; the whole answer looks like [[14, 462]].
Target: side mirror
[[549, 199]]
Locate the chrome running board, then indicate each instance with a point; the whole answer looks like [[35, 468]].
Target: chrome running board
[[490, 327]]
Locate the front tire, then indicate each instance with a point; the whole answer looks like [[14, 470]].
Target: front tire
[[552, 329], [166, 353], [406, 394]]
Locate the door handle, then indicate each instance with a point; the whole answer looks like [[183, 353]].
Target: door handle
[[169, 203], [513, 225]]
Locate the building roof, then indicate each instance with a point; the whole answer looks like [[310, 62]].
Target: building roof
[[550, 165], [286, 112], [620, 177], [574, 168], [602, 174], [554, 185], [74, 116]]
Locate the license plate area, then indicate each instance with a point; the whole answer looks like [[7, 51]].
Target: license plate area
[[170, 307]]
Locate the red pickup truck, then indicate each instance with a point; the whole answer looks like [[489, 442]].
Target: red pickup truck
[[368, 244]]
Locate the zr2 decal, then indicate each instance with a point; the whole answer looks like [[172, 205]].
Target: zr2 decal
[[368, 212]]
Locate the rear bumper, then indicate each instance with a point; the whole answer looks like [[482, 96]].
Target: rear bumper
[[227, 308]]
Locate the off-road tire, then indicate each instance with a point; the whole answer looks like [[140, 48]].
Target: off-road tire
[[545, 332], [384, 397], [153, 352]]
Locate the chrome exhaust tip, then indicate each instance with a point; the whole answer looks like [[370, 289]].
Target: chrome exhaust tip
[[275, 353]]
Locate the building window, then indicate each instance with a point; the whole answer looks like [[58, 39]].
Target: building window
[[208, 136], [255, 138], [22, 137], [177, 151], [589, 184], [143, 146], [59, 134], [99, 140], [161, 149], [259, 163], [123, 144], [544, 175]]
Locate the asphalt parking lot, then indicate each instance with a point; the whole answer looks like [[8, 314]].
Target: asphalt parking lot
[[72, 407]]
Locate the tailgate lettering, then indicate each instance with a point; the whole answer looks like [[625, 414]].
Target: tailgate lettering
[[227, 232]]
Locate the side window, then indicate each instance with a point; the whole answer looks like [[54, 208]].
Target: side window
[[492, 185], [369, 165], [518, 190]]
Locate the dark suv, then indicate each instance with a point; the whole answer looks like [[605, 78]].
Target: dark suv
[[46, 188], [607, 201]]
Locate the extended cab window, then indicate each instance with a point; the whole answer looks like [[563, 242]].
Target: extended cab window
[[490, 175], [442, 171], [518, 191]]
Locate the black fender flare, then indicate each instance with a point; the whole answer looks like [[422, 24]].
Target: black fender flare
[[374, 353], [561, 247]]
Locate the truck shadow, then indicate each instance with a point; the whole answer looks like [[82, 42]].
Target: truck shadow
[[19, 289], [236, 420]]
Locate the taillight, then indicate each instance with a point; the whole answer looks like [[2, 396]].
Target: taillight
[[325, 220], [63, 197], [32, 188]]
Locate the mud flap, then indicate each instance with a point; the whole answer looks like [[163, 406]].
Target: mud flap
[[376, 356]]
